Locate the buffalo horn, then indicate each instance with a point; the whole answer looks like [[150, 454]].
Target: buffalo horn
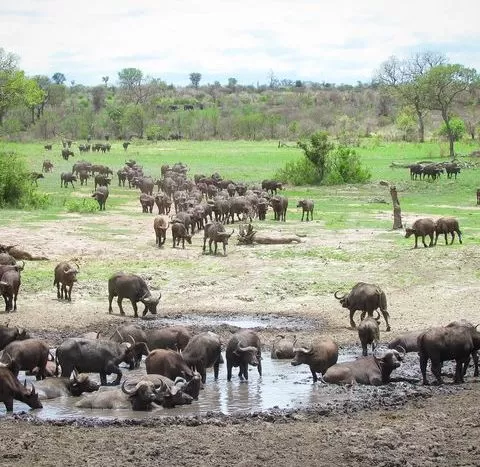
[[24, 383], [132, 339], [78, 267], [338, 298], [401, 350], [32, 392], [126, 391], [75, 374], [116, 332]]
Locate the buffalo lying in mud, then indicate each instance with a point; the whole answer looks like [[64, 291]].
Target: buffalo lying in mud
[[77, 384], [282, 348], [370, 370], [365, 298]]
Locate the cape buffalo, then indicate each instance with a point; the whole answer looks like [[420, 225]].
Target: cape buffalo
[[447, 343], [9, 286], [307, 207], [322, 354], [135, 289], [447, 225], [169, 337], [282, 348], [407, 341], [51, 388], [8, 335], [215, 233], [243, 349], [28, 354], [65, 277], [366, 298], [10, 389], [369, 333], [203, 351], [422, 228], [96, 356], [141, 397], [127, 332], [160, 226], [168, 363], [370, 370]]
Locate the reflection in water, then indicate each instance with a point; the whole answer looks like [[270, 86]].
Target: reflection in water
[[282, 386]]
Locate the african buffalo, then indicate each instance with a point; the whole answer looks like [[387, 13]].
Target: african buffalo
[[147, 202], [28, 354], [180, 232], [321, 355], [422, 228], [369, 333], [282, 348], [271, 186], [407, 342], [96, 356], [307, 207], [168, 363], [135, 289], [10, 389], [9, 286], [279, 205], [215, 233], [370, 370], [8, 335], [66, 178], [126, 332], [468, 324], [160, 226], [203, 351], [141, 397], [243, 349], [447, 343], [51, 388], [366, 298], [101, 195], [447, 225], [65, 277], [169, 337]]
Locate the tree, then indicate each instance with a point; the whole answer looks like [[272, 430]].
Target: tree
[[316, 151], [443, 85], [137, 89], [58, 78], [401, 77], [457, 127], [195, 79], [232, 83], [105, 80], [15, 87]]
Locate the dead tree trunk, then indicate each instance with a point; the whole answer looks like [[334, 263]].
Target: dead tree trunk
[[397, 212]]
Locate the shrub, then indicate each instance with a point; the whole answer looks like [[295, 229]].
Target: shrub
[[344, 166], [457, 127], [301, 172], [16, 189], [81, 205]]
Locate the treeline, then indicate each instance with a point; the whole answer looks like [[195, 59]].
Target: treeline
[[142, 107]]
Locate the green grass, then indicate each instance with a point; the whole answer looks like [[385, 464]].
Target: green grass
[[337, 207]]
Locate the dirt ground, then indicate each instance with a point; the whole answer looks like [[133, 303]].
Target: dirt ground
[[428, 287]]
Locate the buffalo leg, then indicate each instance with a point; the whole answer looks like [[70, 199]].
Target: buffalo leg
[[352, 323], [9, 404], [423, 241], [103, 378], [135, 309], [314, 374], [453, 237], [216, 366], [229, 371], [259, 366], [446, 239], [475, 363], [119, 302], [385, 317], [423, 367], [416, 241], [58, 289], [459, 369], [69, 293], [110, 298], [437, 371], [431, 240]]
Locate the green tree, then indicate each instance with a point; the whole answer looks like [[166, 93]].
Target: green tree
[[15, 87], [133, 121], [401, 78], [195, 79], [457, 127], [59, 78], [316, 151], [444, 85], [344, 166], [406, 123]]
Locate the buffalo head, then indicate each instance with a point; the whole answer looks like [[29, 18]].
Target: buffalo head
[[248, 354], [81, 383], [150, 303]]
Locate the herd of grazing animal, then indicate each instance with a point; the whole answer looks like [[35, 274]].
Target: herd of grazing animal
[[176, 361]]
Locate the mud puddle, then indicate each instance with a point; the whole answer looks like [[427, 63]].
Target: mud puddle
[[281, 387]]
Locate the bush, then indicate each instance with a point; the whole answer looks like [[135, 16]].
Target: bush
[[457, 126], [301, 172], [344, 166], [84, 205], [16, 189]]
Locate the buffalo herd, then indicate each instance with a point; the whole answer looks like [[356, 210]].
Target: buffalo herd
[[176, 361]]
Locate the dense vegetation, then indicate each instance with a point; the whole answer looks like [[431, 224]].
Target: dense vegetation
[[407, 100]]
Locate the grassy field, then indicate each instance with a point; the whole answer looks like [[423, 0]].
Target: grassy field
[[339, 207]]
